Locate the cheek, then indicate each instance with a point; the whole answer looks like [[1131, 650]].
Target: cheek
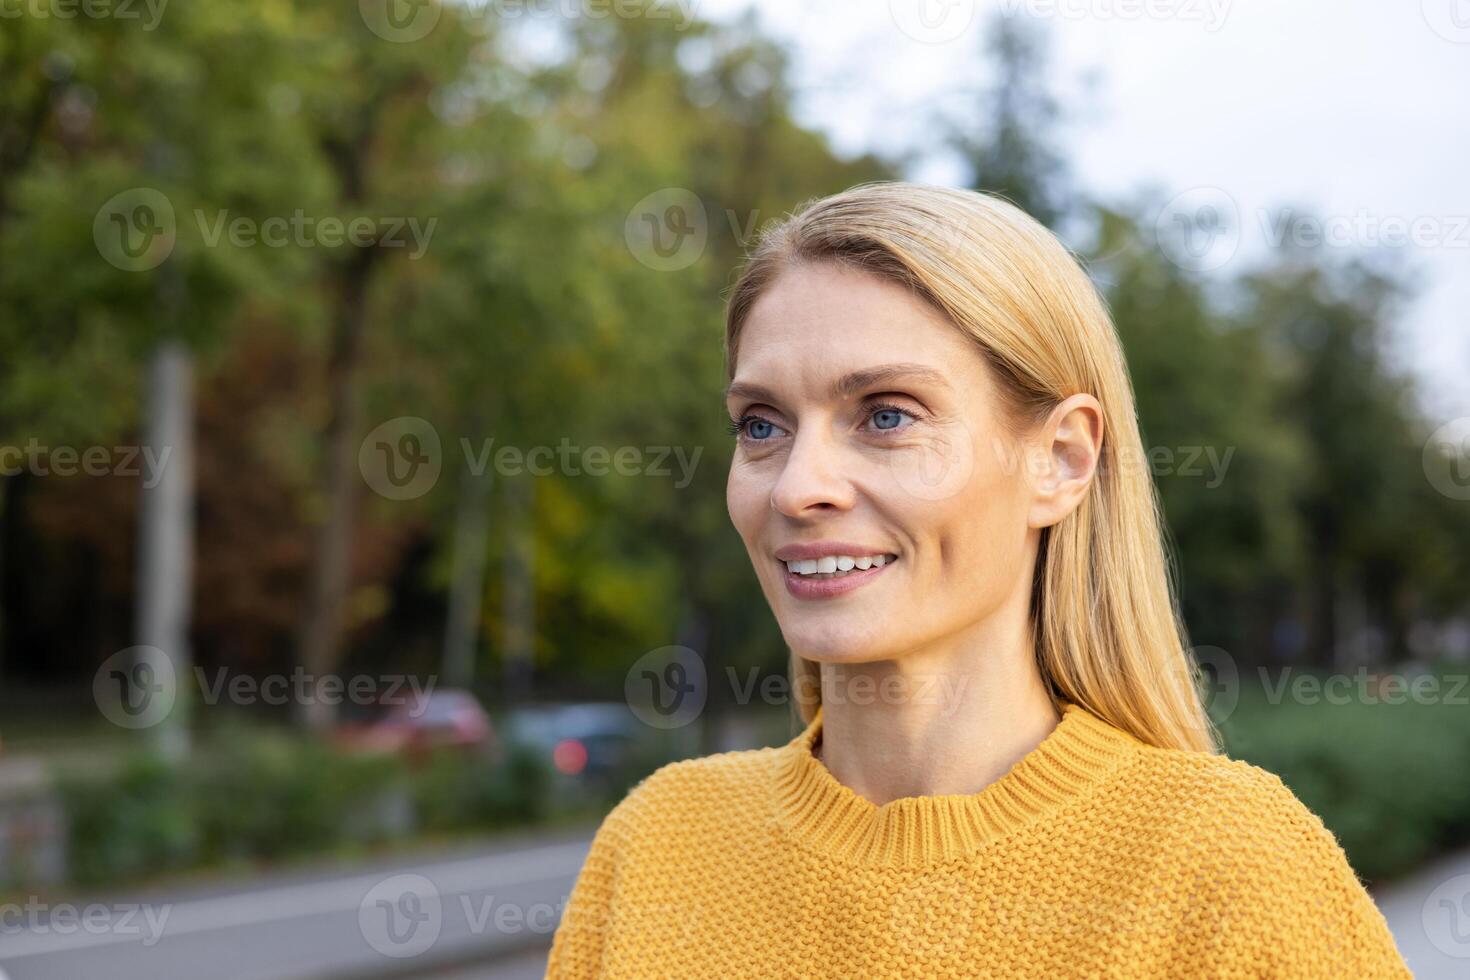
[[747, 498], [981, 531]]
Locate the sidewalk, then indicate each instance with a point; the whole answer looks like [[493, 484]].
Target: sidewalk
[[1429, 913], [441, 912]]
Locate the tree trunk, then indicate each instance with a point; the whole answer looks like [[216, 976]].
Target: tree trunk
[[16, 155], [166, 537], [519, 594], [467, 584], [4, 539], [320, 640]]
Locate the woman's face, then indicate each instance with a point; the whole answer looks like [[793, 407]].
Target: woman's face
[[872, 449]]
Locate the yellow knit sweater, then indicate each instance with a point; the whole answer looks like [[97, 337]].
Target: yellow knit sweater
[[1096, 856]]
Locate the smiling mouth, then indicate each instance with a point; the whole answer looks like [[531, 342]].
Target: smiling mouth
[[835, 566]]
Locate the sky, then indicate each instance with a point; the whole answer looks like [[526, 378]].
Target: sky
[[1356, 111]]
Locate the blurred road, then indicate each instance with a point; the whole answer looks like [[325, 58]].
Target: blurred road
[[530, 965], [484, 913], [1429, 913], [437, 916]]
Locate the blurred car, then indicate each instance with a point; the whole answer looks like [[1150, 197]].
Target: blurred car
[[443, 718], [587, 743]]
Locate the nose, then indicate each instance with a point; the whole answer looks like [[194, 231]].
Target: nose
[[813, 480]]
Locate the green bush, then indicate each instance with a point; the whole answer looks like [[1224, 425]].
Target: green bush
[[274, 797], [271, 796], [1390, 780], [456, 792], [141, 821]]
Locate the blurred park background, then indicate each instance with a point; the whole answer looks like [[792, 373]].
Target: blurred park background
[[362, 447]]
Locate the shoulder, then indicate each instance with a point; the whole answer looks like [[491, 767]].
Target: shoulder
[[1238, 831], [1230, 793], [1213, 778], [1239, 810], [716, 772], [687, 793], [1260, 865]]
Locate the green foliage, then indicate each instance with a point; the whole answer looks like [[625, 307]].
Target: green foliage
[[1387, 779], [451, 794], [267, 797], [1226, 462], [1011, 149], [529, 320], [141, 821], [274, 797]]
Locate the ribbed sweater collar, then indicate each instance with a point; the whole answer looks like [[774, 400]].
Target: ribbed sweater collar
[[822, 813]]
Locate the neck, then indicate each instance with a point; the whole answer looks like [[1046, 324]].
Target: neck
[[949, 720]]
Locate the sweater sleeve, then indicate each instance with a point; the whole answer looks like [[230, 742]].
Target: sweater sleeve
[[577, 947], [1321, 921]]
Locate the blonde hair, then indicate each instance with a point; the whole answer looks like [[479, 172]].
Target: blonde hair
[[1107, 630]]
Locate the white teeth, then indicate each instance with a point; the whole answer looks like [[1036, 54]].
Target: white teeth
[[836, 565]]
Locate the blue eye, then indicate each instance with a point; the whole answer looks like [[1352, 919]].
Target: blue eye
[[752, 427], [887, 418]]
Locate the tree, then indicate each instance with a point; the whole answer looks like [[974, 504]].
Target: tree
[[101, 166], [1010, 149]]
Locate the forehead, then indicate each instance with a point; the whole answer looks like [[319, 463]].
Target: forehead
[[818, 320]]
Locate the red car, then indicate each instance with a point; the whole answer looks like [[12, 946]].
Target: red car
[[439, 719]]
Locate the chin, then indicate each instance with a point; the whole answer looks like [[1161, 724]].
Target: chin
[[838, 639]]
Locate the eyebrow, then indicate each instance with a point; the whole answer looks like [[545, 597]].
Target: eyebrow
[[852, 382]]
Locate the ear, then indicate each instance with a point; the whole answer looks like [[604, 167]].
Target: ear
[[1066, 451]]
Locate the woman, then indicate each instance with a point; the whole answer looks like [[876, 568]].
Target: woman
[[1006, 769]]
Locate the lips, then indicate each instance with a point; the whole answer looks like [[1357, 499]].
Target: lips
[[831, 568]]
